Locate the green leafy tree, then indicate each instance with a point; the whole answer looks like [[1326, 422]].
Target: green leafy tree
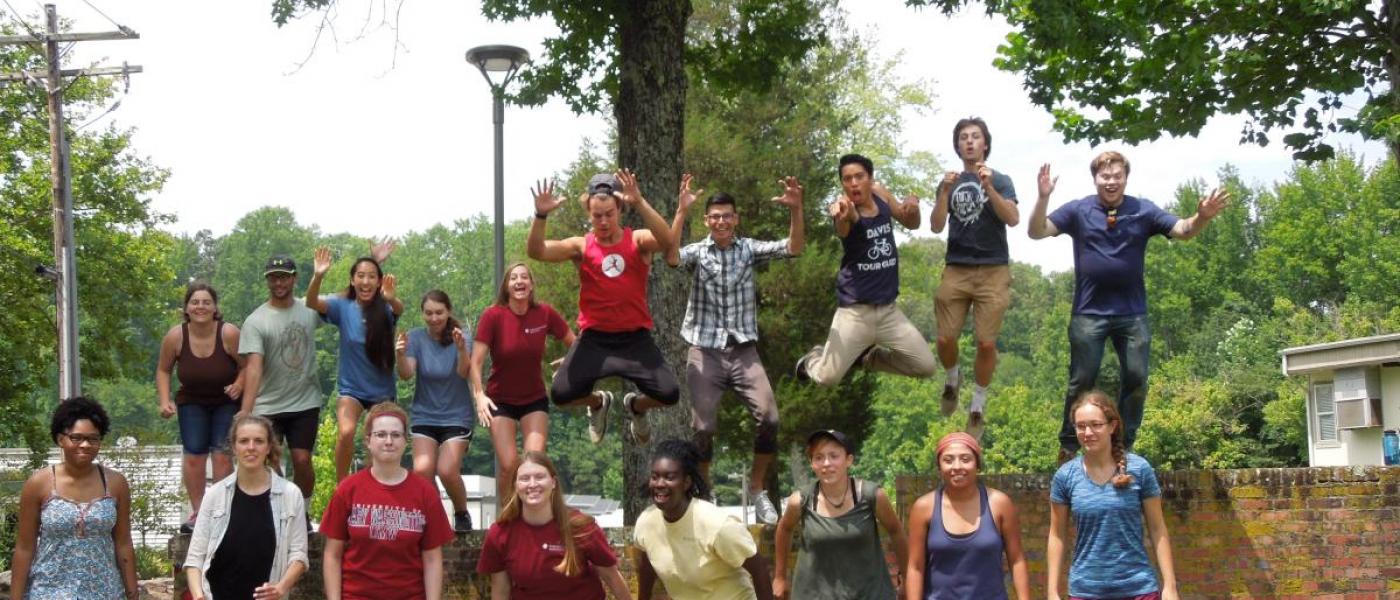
[[1132, 71]]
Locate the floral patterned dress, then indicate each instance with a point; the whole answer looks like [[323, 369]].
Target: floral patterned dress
[[76, 557]]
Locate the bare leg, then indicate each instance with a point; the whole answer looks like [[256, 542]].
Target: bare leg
[[192, 473], [503, 440], [303, 473], [449, 470], [347, 417]]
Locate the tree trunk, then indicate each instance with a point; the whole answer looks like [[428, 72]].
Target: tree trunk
[[650, 113]]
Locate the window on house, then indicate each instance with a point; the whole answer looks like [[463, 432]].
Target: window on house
[[1326, 410]]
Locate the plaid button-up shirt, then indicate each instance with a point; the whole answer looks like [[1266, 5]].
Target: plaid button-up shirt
[[723, 302]]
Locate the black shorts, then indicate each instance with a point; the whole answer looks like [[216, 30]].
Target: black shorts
[[442, 433], [518, 411], [366, 404], [298, 428], [631, 355]]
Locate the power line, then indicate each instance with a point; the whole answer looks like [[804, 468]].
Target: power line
[[119, 26]]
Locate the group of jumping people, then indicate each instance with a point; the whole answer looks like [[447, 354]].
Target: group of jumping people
[[247, 393]]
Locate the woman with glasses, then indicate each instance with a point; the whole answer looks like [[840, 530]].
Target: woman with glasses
[[385, 527], [1110, 493], [74, 538]]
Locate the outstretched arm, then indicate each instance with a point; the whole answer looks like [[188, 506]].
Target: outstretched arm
[[792, 198], [906, 212], [660, 239], [536, 246], [322, 264], [1208, 208], [1040, 226], [683, 202]]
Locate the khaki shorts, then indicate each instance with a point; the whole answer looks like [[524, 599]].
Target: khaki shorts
[[985, 288]]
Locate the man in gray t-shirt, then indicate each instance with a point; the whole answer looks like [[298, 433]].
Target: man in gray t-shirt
[[281, 384], [980, 203]]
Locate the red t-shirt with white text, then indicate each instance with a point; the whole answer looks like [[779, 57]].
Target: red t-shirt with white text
[[385, 528], [529, 553], [517, 348]]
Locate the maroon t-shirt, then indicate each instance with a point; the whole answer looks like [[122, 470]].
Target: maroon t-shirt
[[385, 528], [517, 350], [529, 553]]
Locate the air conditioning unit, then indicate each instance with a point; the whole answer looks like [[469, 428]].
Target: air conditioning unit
[[1357, 393]]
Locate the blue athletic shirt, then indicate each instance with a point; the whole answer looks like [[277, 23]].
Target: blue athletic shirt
[[1110, 554], [1108, 261], [357, 377], [441, 397]]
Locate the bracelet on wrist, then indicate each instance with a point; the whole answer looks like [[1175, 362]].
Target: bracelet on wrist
[[541, 216]]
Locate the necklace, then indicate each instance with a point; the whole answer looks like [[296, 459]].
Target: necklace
[[828, 498]]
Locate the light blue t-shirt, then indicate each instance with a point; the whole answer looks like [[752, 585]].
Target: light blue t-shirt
[[1110, 555], [440, 396], [358, 378]]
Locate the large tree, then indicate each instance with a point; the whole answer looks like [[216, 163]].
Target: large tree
[[1135, 70]]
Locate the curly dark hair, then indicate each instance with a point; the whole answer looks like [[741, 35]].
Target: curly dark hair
[[75, 409], [687, 454]]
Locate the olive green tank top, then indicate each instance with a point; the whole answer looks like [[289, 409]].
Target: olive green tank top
[[840, 558]]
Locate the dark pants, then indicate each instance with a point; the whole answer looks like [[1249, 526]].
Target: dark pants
[[631, 355], [1132, 340]]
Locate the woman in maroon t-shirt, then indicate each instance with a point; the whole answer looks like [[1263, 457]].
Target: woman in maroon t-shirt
[[540, 550], [512, 332]]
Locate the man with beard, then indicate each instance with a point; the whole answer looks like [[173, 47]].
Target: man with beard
[[982, 204]]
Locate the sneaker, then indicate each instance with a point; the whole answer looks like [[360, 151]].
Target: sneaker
[[975, 426], [799, 371], [863, 359], [763, 510], [598, 418], [1066, 455], [462, 522], [188, 525], [310, 527], [641, 428], [949, 402]]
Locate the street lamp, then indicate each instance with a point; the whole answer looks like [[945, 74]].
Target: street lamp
[[507, 60]]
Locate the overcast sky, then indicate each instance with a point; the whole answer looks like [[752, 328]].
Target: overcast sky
[[373, 142]]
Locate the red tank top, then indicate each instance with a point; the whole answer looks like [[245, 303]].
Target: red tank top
[[612, 295]]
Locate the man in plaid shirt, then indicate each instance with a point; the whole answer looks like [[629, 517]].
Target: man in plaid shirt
[[721, 324]]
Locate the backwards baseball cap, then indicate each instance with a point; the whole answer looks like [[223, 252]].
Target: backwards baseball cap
[[280, 264], [603, 183], [830, 434]]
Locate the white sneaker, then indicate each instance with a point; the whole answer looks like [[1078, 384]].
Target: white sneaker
[[641, 428], [975, 426], [763, 510], [598, 418], [949, 402]]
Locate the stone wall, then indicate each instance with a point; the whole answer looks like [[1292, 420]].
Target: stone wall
[[1330, 533]]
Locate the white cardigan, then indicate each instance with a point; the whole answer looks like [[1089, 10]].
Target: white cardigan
[[288, 518]]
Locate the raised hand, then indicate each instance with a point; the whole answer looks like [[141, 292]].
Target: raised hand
[[950, 178], [545, 199], [321, 264], [842, 210], [389, 287], [1045, 182], [1213, 204], [381, 250], [631, 193], [687, 197], [792, 192], [401, 343], [984, 174], [460, 339]]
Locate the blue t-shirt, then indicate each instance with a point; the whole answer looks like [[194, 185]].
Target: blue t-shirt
[[1110, 555], [1108, 261], [976, 235], [870, 264], [358, 378], [440, 396]]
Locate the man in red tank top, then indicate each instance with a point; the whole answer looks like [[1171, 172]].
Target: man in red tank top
[[613, 318]]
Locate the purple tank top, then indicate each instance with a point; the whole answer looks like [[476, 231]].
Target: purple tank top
[[964, 567]]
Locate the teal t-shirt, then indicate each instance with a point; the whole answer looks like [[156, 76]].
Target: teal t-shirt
[[357, 376], [286, 339], [441, 397], [1110, 556]]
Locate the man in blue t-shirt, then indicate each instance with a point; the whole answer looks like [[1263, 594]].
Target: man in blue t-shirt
[[982, 204], [1110, 232], [868, 327]]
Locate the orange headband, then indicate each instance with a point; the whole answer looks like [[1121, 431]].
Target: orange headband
[[958, 437]]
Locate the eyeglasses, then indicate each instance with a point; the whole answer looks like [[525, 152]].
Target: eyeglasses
[[387, 435], [1094, 426], [726, 217], [80, 439], [1112, 218]]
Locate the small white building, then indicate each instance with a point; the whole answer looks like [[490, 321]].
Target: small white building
[[1353, 397]]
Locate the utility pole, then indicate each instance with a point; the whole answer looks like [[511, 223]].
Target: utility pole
[[66, 298]]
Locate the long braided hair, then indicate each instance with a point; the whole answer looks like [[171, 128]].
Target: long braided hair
[[1098, 399]]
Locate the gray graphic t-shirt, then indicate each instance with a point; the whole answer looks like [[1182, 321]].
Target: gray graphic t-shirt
[[286, 338], [976, 235]]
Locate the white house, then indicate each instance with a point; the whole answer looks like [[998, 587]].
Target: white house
[[1353, 397]]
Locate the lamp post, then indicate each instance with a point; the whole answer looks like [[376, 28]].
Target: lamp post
[[506, 60]]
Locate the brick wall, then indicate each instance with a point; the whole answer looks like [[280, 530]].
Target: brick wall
[[1330, 533]]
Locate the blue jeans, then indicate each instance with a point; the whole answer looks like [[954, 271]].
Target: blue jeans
[[1132, 340], [204, 428]]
